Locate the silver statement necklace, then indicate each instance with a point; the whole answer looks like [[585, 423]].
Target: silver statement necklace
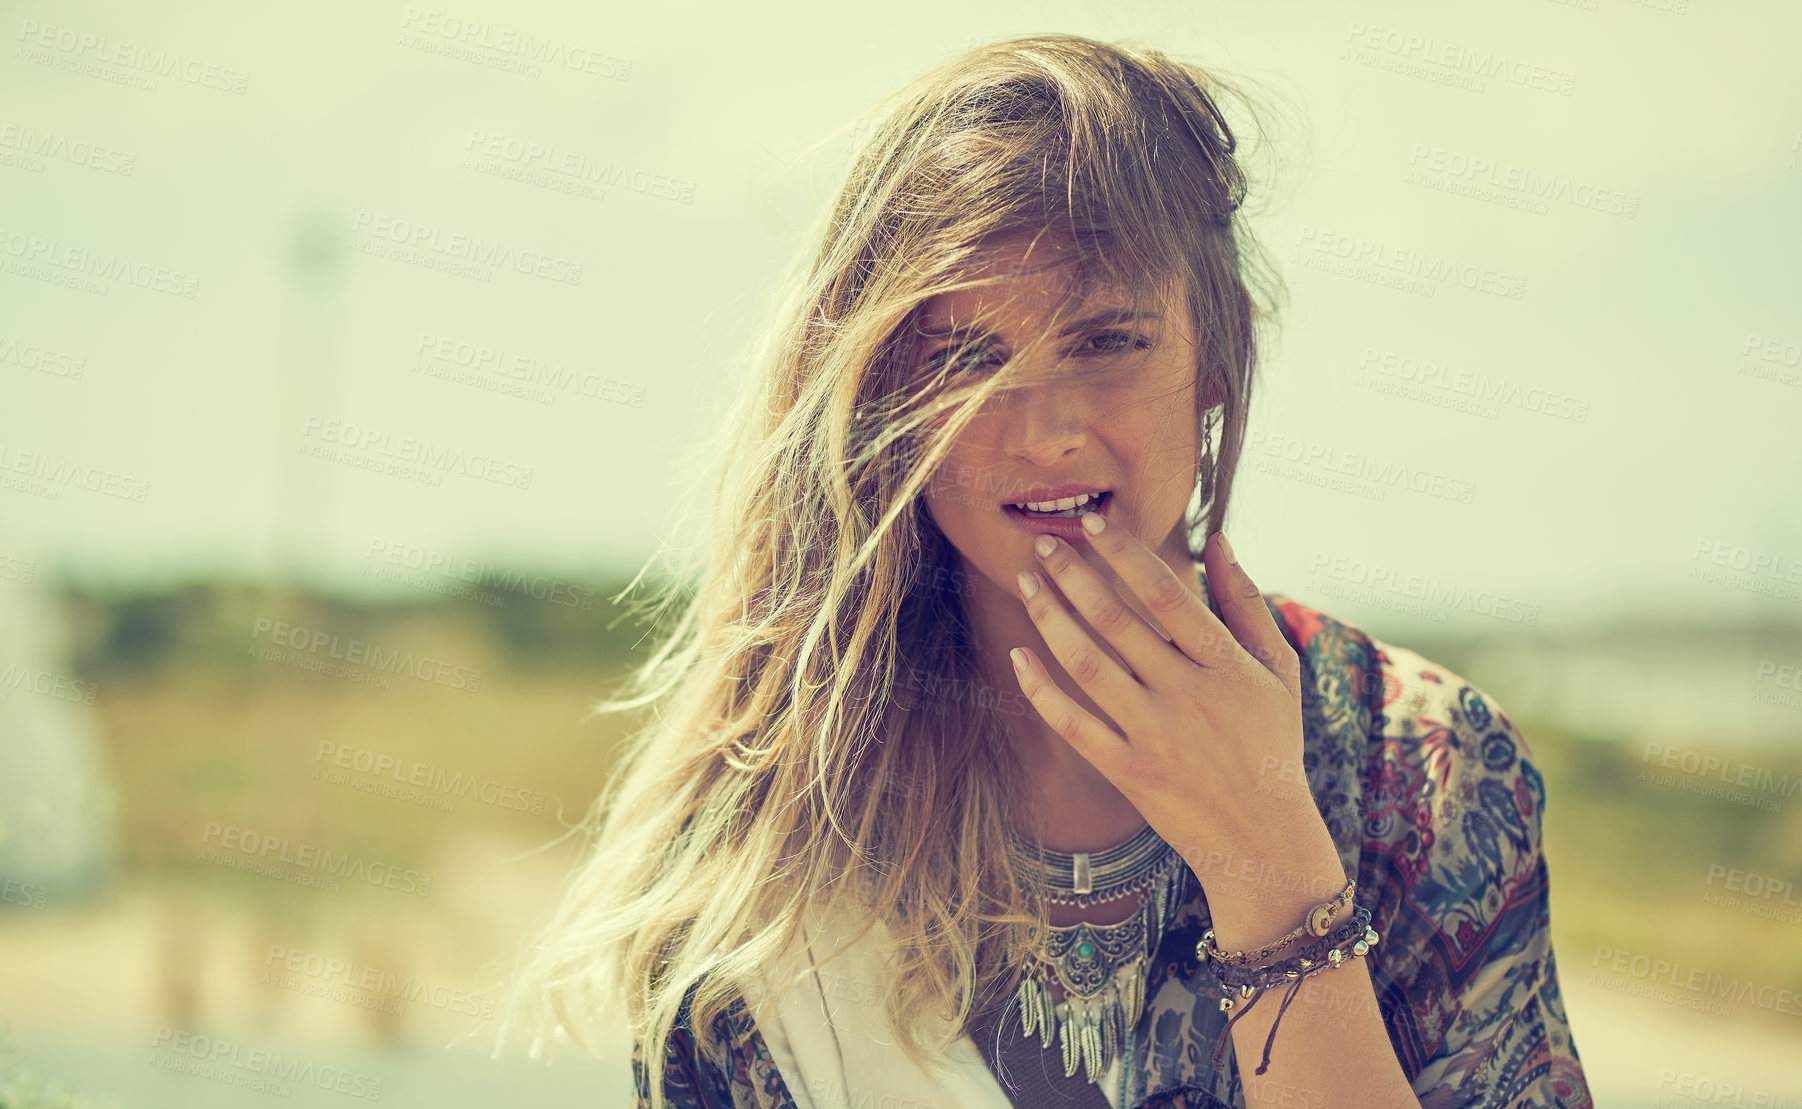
[[1102, 967]]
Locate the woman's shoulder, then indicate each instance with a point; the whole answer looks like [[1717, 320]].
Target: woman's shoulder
[[1396, 693], [1444, 778], [1440, 803]]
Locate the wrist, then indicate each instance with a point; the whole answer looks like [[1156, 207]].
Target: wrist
[[1253, 900]]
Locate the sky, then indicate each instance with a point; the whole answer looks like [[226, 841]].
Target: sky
[[211, 316]]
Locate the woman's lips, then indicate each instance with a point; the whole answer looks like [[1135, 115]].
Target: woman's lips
[[1067, 528]]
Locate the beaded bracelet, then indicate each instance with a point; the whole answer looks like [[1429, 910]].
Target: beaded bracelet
[[1356, 937], [1318, 922]]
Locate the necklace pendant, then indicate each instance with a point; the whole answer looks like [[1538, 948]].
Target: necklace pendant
[[1091, 1045], [1102, 968], [1083, 877], [1090, 1029], [1103, 975]]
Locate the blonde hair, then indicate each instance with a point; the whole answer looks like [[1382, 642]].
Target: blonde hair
[[788, 764]]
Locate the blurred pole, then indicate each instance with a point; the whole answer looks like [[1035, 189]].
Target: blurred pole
[[311, 369]]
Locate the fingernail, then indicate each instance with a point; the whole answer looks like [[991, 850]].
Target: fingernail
[[1093, 523], [1028, 586], [1019, 658], [1226, 548], [1044, 545]]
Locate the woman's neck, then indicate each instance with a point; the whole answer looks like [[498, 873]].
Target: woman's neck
[[1074, 806]]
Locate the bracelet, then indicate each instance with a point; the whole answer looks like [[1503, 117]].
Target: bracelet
[[1356, 937], [1318, 922]]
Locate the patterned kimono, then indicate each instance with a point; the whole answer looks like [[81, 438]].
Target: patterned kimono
[[1431, 794]]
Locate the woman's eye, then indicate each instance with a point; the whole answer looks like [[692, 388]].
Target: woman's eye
[[966, 357], [1114, 342], [1102, 344]]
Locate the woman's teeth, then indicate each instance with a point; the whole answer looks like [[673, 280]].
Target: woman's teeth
[[1079, 505]]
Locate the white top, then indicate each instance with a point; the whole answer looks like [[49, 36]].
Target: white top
[[829, 1036]]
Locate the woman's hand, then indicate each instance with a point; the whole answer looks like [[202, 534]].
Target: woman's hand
[[1211, 753]]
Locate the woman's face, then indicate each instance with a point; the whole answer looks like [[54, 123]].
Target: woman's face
[[1099, 412]]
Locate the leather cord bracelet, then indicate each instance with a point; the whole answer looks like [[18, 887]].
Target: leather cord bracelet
[[1318, 922], [1354, 939]]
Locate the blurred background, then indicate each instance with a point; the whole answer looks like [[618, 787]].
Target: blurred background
[[351, 357]]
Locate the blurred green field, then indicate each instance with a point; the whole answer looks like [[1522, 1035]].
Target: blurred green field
[[198, 725]]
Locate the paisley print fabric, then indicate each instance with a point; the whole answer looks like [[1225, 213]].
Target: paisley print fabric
[[1433, 799]]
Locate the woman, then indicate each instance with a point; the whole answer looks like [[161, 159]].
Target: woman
[[981, 773]]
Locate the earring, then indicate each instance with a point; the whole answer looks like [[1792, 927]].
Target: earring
[[1204, 474]]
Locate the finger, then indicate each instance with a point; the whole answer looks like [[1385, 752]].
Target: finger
[[1144, 650], [1243, 609], [1092, 739], [1197, 634], [1117, 692]]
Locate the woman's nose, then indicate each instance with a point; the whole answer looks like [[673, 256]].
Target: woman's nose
[[1044, 423]]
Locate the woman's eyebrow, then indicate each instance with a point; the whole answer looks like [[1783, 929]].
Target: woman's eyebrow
[[932, 330]]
